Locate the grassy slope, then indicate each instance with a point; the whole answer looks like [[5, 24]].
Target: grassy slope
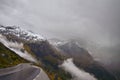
[[8, 58]]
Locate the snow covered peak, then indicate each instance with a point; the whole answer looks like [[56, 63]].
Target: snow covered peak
[[70, 43], [56, 42], [21, 33]]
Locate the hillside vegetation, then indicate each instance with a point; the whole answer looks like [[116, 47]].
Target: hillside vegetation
[[8, 58]]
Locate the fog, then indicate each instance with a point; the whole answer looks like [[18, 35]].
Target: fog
[[95, 22], [76, 73]]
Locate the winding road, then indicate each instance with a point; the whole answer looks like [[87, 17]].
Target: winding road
[[23, 72]]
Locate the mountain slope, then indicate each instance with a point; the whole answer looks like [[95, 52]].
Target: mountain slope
[[73, 50], [17, 48], [51, 56], [84, 60], [48, 57], [9, 58]]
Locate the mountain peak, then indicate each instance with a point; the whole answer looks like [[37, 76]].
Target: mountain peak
[[21, 33]]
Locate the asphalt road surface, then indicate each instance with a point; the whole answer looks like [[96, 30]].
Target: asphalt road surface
[[23, 72]]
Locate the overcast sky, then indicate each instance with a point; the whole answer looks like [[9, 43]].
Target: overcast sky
[[94, 20]]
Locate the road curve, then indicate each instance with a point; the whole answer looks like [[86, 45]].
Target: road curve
[[23, 72]]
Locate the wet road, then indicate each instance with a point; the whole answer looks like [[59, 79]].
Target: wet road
[[23, 72]]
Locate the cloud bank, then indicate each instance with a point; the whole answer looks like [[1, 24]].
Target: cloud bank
[[77, 74]]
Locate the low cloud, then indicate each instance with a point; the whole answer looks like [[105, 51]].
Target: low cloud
[[17, 47], [77, 73]]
